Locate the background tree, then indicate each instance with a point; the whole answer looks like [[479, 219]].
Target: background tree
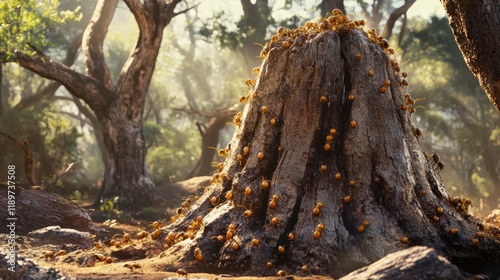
[[118, 107], [27, 112]]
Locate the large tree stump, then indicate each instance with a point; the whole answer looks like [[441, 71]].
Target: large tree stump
[[345, 179]]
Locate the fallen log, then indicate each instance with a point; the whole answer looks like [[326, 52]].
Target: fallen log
[[37, 208]]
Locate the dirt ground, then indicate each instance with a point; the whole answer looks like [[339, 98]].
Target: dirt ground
[[80, 263]]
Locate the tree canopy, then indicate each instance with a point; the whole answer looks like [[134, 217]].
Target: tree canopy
[[26, 23]]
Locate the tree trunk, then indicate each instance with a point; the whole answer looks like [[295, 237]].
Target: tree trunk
[[126, 175], [476, 26], [209, 140], [349, 199]]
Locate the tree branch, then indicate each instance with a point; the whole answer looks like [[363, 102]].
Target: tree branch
[[136, 74], [94, 35], [72, 52], [395, 15], [86, 88], [50, 89], [169, 11], [186, 10], [403, 29], [38, 51]]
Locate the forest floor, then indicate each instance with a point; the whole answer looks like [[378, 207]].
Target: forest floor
[[82, 263], [79, 263]]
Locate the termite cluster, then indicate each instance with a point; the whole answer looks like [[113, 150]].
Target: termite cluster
[[175, 237], [284, 37], [49, 255], [461, 204]]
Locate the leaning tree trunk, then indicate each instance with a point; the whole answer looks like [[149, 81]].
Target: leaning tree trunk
[[326, 170], [209, 140]]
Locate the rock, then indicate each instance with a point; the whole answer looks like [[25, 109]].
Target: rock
[[417, 262], [26, 269], [61, 236]]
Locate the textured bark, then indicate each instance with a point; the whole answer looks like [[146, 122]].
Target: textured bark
[[476, 26], [126, 164], [95, 94], [93, 40], [305, 88]]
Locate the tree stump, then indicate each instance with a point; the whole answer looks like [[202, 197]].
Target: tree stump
[[325, 174]]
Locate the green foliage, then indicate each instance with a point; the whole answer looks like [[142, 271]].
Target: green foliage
[[459, 122], [79, 197], [28, 21], [110, 207], [174, 155], [52, 138], [217, 28]]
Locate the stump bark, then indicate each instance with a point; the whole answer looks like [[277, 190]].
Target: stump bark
[[322, 200]]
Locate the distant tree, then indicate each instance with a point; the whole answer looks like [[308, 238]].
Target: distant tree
[[117, 106], [26, 113]]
